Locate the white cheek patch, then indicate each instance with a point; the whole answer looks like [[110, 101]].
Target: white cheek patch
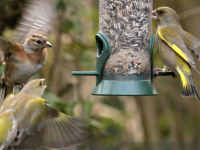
[[27, 48]]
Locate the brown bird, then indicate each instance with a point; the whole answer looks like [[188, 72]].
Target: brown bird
[[27, 53]]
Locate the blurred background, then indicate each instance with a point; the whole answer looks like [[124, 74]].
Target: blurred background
[[166, 121]]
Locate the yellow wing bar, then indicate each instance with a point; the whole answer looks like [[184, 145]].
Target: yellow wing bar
[[174, 47]]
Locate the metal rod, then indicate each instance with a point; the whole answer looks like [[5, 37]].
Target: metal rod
[[85, 73], [164, 74]]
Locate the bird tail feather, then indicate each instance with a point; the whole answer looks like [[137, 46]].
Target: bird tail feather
[[188, 88]]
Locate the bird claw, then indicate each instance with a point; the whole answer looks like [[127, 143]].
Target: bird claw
[[156, 70]]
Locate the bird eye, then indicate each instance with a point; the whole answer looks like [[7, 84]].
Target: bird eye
[[161, 12], [38, 41], [40, 83]]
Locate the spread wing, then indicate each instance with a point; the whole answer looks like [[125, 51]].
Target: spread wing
[[193, 44], [174, 40], [38, 17], [5, 46], [59, 130]]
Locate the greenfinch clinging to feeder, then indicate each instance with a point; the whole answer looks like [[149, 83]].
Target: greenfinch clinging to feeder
[[28, 121], [174, 46]]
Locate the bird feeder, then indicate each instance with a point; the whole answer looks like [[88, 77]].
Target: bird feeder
[[124, 49]]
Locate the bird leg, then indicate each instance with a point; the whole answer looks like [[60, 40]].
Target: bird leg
[[22, 84]]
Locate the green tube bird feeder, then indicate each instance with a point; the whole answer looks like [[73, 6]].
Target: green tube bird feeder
[[124, 64]]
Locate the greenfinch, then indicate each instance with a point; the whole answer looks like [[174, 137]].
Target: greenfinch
[[174, 46], [28, 121]]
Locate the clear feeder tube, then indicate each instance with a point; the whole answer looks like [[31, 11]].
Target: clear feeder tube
[[127, 25]]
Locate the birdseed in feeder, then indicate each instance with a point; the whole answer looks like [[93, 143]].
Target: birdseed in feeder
[[127, 24]]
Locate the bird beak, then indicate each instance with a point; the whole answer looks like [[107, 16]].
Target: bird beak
[[154, 15], [48, 44], [43, 86]]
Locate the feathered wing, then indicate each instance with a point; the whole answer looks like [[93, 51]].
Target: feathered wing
[[5, 46], [174, 40], [5, 51], [7, 101], [1, 56], [57, 131], [8, 128], [192, 43], [4, 43], [37, 18]]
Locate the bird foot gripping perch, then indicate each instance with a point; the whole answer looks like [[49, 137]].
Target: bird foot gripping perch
[[160, 72]]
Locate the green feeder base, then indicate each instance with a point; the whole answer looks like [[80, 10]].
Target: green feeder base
[[125, 88]]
